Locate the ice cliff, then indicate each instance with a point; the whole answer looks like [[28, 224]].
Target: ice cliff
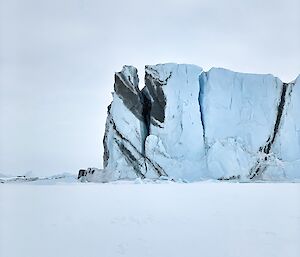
[[190, 124]]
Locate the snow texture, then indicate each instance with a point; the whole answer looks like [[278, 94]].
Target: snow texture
[[151, 220], [189, 124]]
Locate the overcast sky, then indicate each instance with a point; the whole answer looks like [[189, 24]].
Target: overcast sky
[[58, 58]]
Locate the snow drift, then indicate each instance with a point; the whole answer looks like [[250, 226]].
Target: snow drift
[[190, 124]]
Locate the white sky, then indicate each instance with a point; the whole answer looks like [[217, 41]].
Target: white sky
[[58, 58]]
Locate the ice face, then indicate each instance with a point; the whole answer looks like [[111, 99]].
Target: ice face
[[176, 141], [190, 124], [239, 108]]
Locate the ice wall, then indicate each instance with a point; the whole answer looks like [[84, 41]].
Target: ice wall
[[190, 124]]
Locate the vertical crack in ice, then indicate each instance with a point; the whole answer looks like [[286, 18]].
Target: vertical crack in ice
[[146, 119], [261, 163], [202, 82], [154, 104]]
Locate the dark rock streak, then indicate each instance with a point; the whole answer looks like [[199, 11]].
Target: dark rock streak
[[261, 164]]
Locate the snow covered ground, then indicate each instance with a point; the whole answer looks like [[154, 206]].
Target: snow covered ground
[[159, 220]]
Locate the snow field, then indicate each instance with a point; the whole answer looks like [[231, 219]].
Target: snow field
[[158, 220]]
